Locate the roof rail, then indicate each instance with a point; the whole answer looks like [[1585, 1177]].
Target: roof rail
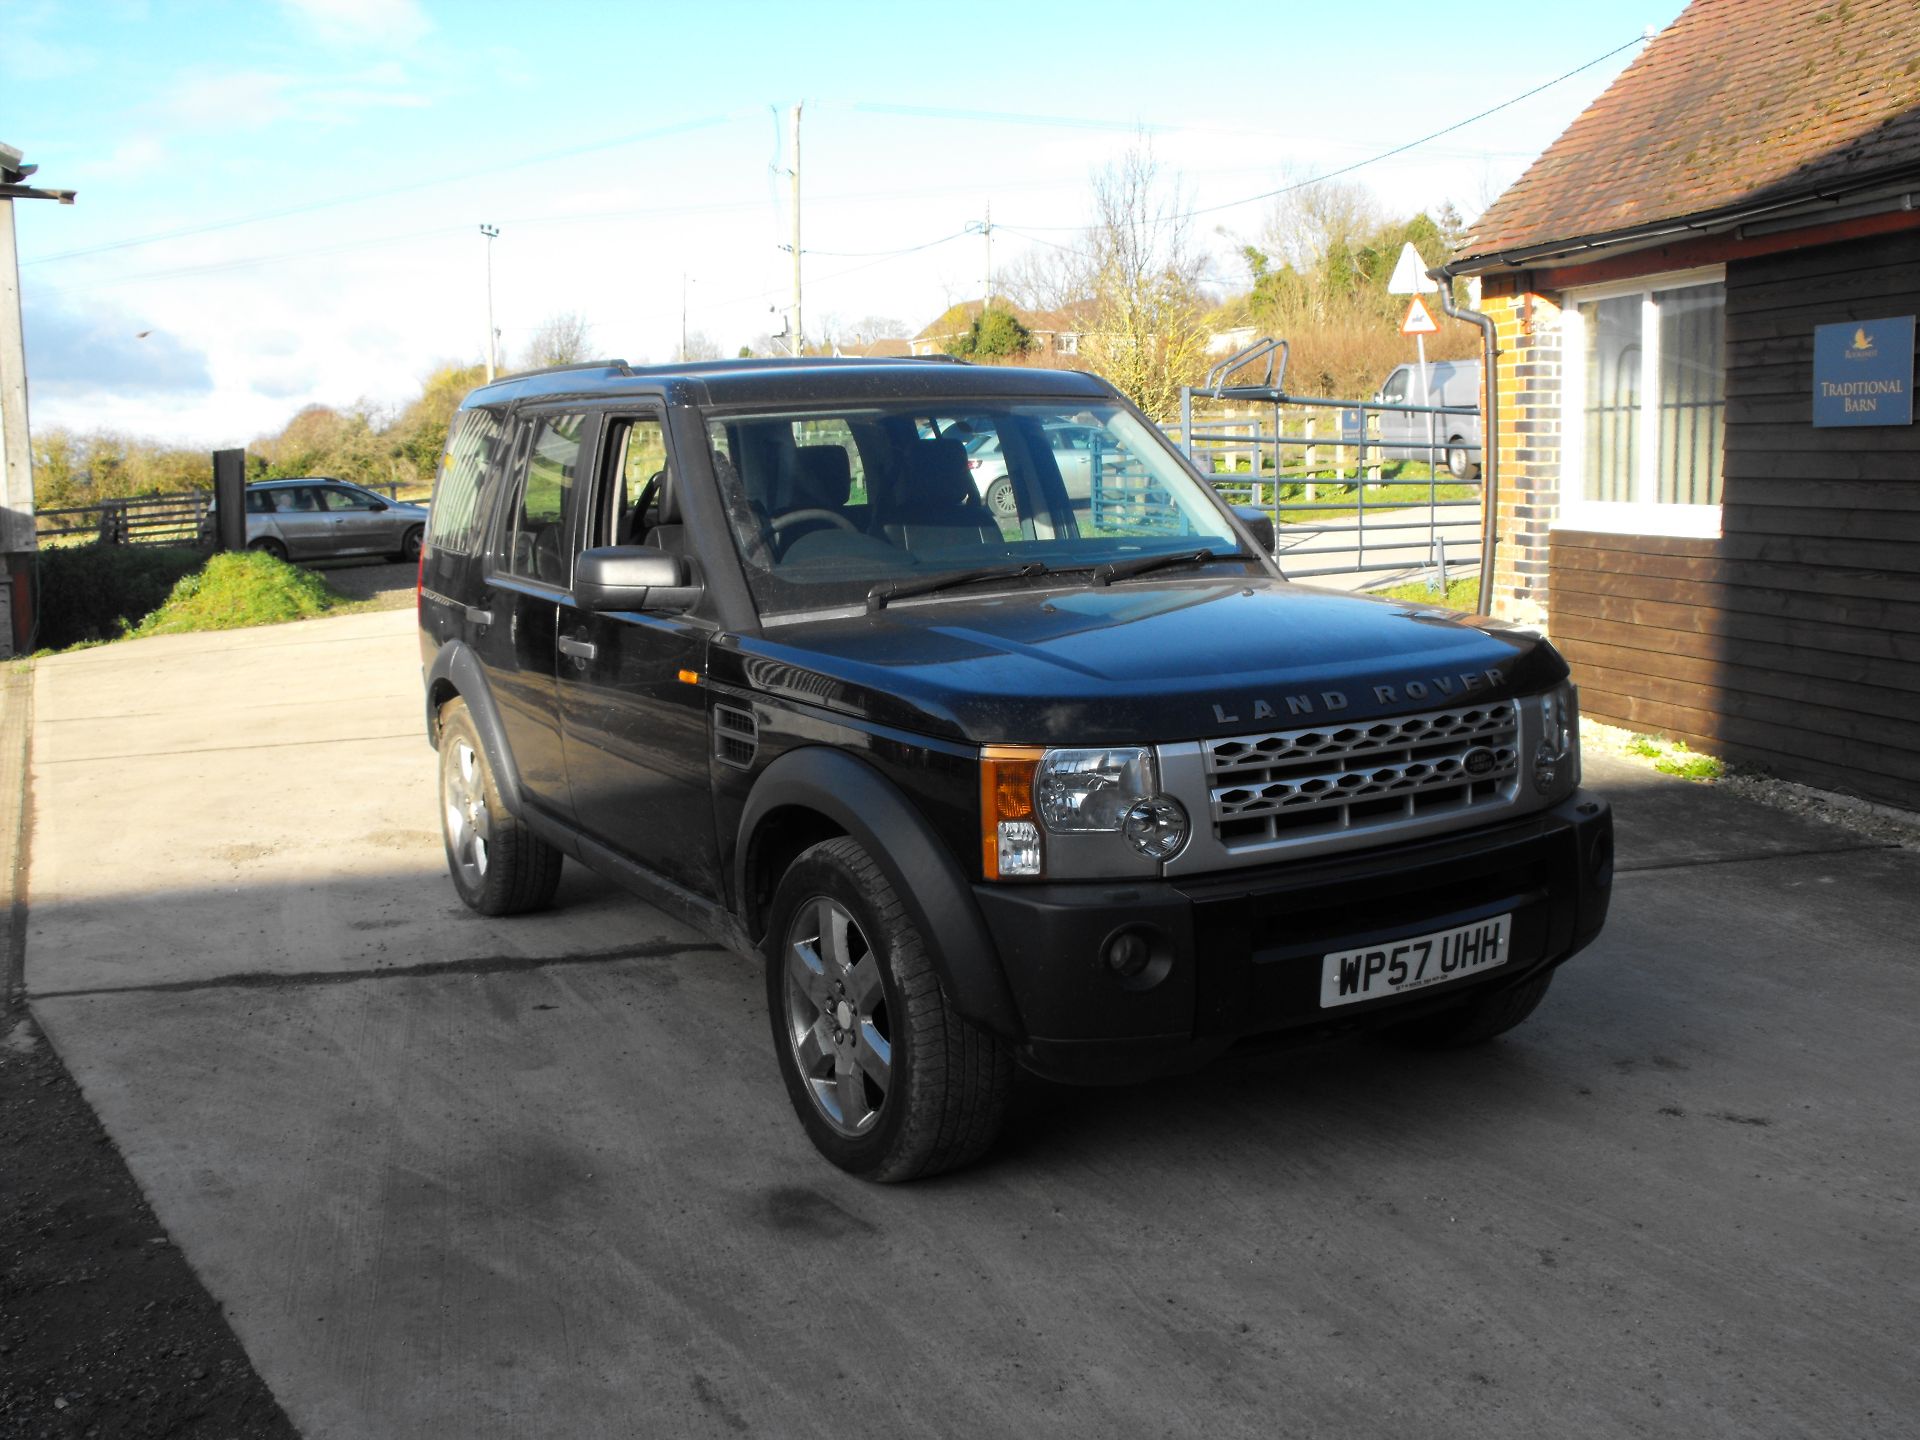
[[617, 366]]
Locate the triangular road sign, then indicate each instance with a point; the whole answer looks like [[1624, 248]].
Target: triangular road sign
[[1410, 274], [1419, 319]]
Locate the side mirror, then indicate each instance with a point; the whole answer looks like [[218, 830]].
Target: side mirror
[[1260, 523], [632, 577], [378, 506]]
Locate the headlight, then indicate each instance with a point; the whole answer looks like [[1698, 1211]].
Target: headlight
[[1558, 757], [1091, 790], [1035, 801]]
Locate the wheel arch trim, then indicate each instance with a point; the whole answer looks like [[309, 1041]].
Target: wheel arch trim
[[456, 673], [861, 801]]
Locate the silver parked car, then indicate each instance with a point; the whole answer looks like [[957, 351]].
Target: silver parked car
[[316, 518]]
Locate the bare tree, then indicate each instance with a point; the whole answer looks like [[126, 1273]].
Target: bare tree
[[699, 346], [1148, 337], [1046, 276], [869, 328], [564, 338]]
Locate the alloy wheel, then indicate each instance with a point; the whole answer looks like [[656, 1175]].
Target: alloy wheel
[[468, 823], [836, 1014]]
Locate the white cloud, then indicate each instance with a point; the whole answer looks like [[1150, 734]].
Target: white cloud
[[362, 22], [209, 100]]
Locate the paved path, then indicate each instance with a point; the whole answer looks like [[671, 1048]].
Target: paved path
[[466, 1178]]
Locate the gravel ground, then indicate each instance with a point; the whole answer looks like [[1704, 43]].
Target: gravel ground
[[1859, 817], [378, 584]]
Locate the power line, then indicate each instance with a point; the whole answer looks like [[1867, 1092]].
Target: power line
[[1384, 154]]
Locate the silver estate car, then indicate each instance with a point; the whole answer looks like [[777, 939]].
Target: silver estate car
[[316, 518]]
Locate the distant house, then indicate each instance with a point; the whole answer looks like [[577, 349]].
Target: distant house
[[1709, 487], [1055, 332]]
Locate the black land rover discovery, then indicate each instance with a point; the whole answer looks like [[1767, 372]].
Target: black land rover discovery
[[1075, 780]]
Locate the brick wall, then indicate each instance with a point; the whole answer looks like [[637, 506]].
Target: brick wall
[[1528, 331]]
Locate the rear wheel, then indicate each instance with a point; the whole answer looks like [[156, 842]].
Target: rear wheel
[[1476, 1019], [267, 545], [410, 544], [1000, 502], [887, 1080], [499, 866]]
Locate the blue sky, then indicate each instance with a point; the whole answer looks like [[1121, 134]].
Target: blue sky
[[619, 147]]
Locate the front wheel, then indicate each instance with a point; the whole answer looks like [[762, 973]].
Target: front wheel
[[267, 545], [499, 866], [889, 1083], [409, 544], [1459, 462]]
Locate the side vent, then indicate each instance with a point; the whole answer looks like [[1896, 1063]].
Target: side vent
[[736, 737]]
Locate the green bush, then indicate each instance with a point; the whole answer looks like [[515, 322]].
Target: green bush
[[238, 590], [98, 592]]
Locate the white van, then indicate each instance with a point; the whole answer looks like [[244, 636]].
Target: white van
[[1405, 436]]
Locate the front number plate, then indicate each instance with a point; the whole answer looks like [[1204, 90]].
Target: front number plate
[[1394, 967]]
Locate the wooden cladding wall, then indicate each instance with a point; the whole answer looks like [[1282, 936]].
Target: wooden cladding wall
[[1793, 641]]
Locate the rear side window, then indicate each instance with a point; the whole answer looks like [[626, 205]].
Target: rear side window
[[260, 502], [457, 518], [535, 535]]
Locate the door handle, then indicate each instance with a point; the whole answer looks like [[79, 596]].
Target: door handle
[[582, 650], [477, 616]]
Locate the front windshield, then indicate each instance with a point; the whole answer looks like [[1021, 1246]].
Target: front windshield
[[827, 504]]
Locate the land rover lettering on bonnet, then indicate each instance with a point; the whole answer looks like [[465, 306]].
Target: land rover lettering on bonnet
[[1069, 779]]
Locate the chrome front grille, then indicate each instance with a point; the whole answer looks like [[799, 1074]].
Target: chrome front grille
[[1328, 779]]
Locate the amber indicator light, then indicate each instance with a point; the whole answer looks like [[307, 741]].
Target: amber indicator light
[[1006, 793]]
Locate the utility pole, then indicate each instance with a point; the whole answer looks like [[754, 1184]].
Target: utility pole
[[985, 228], [492, 233], [16, 451], [798, 329]]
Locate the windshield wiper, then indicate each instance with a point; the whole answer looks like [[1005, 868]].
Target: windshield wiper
[[879, 595], [1115, 570]]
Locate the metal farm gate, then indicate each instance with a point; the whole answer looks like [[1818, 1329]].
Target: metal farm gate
[[1317, 466]]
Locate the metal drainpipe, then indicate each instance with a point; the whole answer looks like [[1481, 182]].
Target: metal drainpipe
[[1489, 432]]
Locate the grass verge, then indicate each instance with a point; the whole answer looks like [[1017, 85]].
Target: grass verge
[[1462, 594]]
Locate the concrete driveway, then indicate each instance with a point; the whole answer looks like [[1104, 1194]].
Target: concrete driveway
[[466, 1178]]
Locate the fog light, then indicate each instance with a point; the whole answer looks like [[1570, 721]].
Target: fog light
[[1156, 826], [1546, 769], [1128, 953], [1019, 851]]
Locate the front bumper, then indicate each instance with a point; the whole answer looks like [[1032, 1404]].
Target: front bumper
[[1239, 955]]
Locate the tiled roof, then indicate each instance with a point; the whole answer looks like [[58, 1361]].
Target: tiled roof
[[1736, 101]]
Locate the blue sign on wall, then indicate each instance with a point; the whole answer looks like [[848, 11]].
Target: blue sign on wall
[[1863, 372]]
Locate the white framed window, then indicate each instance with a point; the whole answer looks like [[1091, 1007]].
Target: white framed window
[[1643, 404]]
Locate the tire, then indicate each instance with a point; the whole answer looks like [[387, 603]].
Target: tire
[[267, 545], [1476, 1020], [410, 544], [1000, 502], [1459, 464], [498, 865], [889, 1083]]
